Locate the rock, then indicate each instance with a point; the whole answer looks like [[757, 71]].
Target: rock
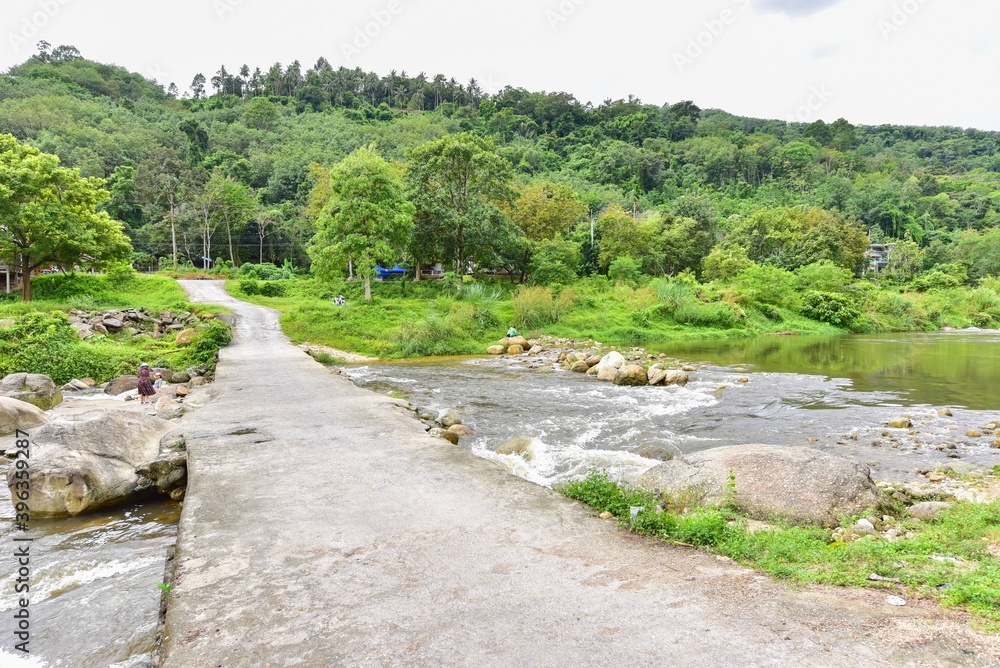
[[33, 388], [744, 379], [799, 485], [661, 452], [593, 360], [89, 461], [172, 411], [186, 337], [535, 350], [449, 417], [928, 510], [900, 423], [496, 350], [974, 433], [162, 403], [75, 386], [16, 414], [122, 384], [83, 330], [182, 391], [656, 376], [945, 412], [89, 382], [461, 430], [864, 526], [592, 371], [197, 381], [524, 446], [631, 375], [449, 436], [608, 367], [112, 324], [518, 341], [579, 367], [688, 368], [676, 378], [178, 378], [100, 329], [606, 515], [515, 350]]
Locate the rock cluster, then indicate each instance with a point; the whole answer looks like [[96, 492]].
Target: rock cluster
[[636, 368], [447, 424], [137, 322]]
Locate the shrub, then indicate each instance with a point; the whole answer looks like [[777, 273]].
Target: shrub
[[823, 276], [430, 337], [725, 263], [535, 306], [555, 262], [716, 314], [935, 280], [266, 272], [250, 286], [837, 309], [759, 284], [214, 335], [270, 289], [625, 270]]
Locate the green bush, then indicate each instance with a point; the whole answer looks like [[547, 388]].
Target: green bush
[[250, 286], [271, 289], [716, 314], [935, 280], [555, 262], [536, 306], [762, 284], [625, 270], [836, 309], [823, 276], [214, 335], [266, 272]]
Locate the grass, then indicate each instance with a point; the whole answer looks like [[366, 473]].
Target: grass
[[953, 559], [37, 339]]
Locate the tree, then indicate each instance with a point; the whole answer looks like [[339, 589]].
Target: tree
[[621, 235], [237, 205], [367, 219], [48, 214], [458, 184], [545, 211], [161, 180], [198, 86]]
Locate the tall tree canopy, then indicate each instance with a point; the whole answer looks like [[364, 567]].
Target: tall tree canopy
[[458, 184], [48, 214], [367, 219]]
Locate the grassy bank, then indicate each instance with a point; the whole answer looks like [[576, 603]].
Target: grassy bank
[[36, 337], [407, 319], [953, 559]]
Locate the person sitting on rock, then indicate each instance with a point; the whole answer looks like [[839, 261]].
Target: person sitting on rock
[[511, 333], [158, 383]]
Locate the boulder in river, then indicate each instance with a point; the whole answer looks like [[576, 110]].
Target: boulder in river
[[496, 350], [900, 423], [449, 417], [515, 350], [449, 436], [122, 384], [579, 366], [89, 460], [656, 376], [631, 375], [16, 414], [609, 365], [519, 341], [34, 388], [522, 445], [800, 485], [676, 378]]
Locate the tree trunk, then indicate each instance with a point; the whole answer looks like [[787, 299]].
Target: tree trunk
[[173, 232], [368, 289], [232, 253], [416, 277], [25, 278]]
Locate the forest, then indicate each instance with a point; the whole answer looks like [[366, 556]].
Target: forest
[[538, 187]]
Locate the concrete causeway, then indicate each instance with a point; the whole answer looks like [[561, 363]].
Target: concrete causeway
[[324, 527]]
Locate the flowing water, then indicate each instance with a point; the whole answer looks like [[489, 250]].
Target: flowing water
[[94, 596], [833, 393]]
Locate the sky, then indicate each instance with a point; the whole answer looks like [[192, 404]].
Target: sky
[[919, 62]]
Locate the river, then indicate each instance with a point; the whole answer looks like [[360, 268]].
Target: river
[[94, 596], [832, 393]]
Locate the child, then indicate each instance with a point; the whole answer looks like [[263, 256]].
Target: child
[[158, 383]]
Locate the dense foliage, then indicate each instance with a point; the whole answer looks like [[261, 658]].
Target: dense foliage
[[537, 184]]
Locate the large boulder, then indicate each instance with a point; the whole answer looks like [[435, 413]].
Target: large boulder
[[518, 341], [33, 388], [608, 367], [523, 446], [16, 414], [579, 366], [89, 460], [449, 417], [800, 485], [122, 384], [631, 375], [496, 350]]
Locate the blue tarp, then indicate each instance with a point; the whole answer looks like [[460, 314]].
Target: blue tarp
[[386, 273]]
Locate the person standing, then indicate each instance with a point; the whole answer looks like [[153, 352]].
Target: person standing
[[145, 385]]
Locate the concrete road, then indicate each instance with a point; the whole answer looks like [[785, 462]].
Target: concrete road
[[323, 527]]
